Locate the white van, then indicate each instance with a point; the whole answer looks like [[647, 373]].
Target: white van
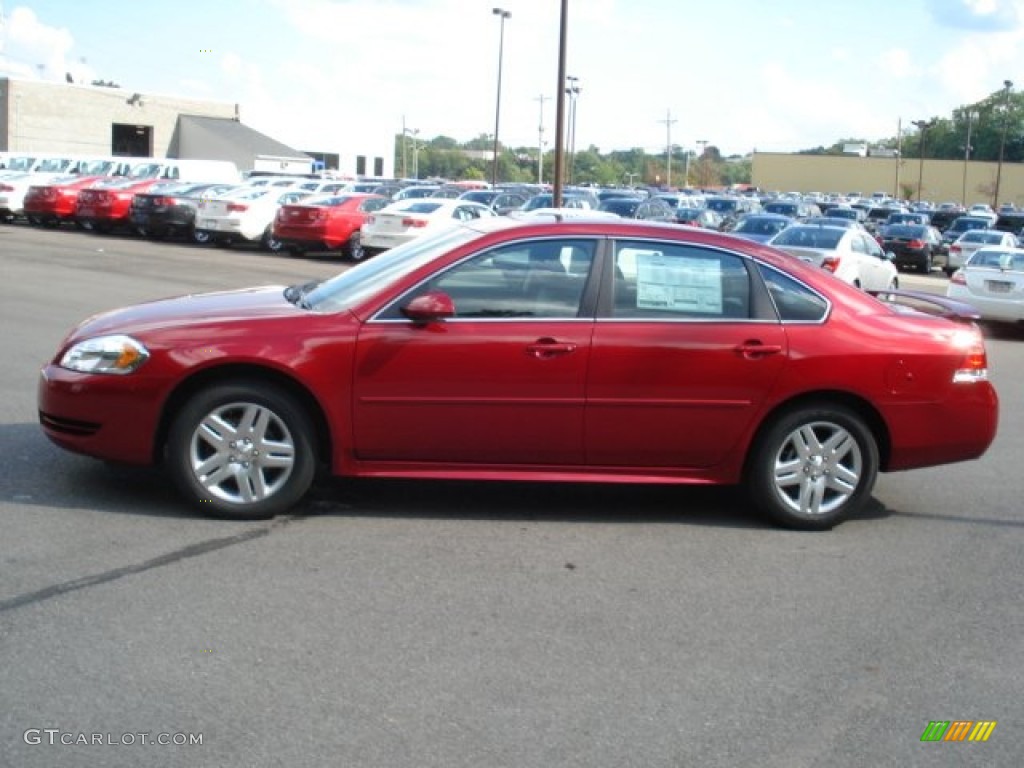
[[216, 171]]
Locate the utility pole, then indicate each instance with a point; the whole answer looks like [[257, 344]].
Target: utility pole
[[540, 139], [1007, 85], [405, 165], [668, 121]]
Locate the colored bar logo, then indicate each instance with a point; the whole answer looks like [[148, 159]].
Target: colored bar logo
[[958, 730]]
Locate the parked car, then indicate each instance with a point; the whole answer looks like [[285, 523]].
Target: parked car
[[12, 194], [171, 210], [795, 209], [851, 255], [963, 224], [499, 201], [992, 281], [326, 223], [651, 209], [415, 191], [983, 210], [761, 227], [908, 217], [407, 220], [245, 215], [731, 209], [54, 202], [944, 215], [569, 200], [106, 204], [604, 350], [705, 218], [846, 212], [971, 241], [918, 246], [1011, 221]]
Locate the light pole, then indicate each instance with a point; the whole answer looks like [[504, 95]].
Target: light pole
[[686, 177], [668, 121], [573, 90], [922, 127], [501, 14], [1007, 85], [540, 140], [414, 132], [703, 144], [969, 114]]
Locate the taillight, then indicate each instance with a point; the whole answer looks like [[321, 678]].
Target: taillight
[[237, 207], [370, 220], [916, 244], [6, 188], [831, 263], [415, 223], [166, 201], [974, 366], [958, 278], [955, 248]]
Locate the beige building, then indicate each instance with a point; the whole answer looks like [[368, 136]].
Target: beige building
[[68, 118], [938, 180]]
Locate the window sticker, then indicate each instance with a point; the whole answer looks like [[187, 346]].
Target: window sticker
[[683, 284]]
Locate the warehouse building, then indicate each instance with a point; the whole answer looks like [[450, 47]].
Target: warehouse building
[[69, 118]]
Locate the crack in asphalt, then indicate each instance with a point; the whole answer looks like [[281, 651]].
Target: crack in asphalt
[[193, 550]]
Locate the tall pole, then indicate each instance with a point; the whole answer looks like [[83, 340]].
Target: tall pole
[[405, 134], [1007, 85], [502, 15], [922, 127], [967, 159], [702, 161], [899, 158], [668, 121], [573, 90], [563, 35], [540, 140]]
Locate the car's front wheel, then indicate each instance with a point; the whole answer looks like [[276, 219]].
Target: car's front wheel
[[813, 467], [242, 451]]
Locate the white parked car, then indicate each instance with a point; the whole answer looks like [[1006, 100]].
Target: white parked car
[[12, 194], [245, 214], [851, 255], [961, 249], [408, 219], [992, 281]]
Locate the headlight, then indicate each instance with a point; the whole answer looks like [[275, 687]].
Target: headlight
[[105, 354]]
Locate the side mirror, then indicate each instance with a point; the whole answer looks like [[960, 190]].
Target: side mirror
[[430, 307]]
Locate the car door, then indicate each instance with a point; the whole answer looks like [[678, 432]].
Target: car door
[[683, 361], [874, 268], [500, 382]]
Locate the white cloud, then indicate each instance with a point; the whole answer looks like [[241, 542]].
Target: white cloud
[[32, 49]]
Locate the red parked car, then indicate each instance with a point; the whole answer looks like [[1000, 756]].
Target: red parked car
[[326, 223], [108, 203], [510, 349], [55, 202]]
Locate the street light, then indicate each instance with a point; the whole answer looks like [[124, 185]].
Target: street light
[[1007, 85], [573, 90], [414, 132], [970, 115], [540, 140], [502, 14], [922, 127], [703, 144]]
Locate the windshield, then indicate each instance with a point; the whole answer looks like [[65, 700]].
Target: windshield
[[761, 226], [722, 206], [620, 205], [990, 238], [346, 290], [903, 230], [810, 237], [20, 164], [145, 171], [53, 165], [844, 213]]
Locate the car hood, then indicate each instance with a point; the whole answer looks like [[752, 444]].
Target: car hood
[[191, 310]]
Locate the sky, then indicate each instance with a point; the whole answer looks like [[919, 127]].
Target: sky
[[743, 75]]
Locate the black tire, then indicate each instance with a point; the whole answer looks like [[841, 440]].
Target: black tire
[[34, 220], [202, 236], [795, 455], [353, 249], [949, 271], [928, 264], [270, 243], [264, 471]]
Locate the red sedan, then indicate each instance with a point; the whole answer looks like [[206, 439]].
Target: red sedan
[[326, 223], [108, 203], [55, 202], [511, 349]]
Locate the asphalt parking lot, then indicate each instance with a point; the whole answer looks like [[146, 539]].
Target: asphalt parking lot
[[461, 624]]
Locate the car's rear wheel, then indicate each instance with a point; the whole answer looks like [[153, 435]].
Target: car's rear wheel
[[271, 243], [201, 236], [353, 249], [242, 451], [813, 467], [926, 267]]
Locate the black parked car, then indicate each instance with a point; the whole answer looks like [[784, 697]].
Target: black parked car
[[913, 245], [171, 210]]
